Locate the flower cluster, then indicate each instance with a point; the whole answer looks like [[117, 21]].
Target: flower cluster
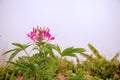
[[40, 34], [60, 76]]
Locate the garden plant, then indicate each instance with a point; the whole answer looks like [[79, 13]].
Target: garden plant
[[44, 64]]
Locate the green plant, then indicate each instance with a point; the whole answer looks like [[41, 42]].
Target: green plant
[[45, 65], [38, 66], [98, 65]]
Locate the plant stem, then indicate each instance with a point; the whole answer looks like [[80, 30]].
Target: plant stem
[[26, 52]]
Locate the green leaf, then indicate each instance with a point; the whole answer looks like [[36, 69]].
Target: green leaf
[[14, 54], [35, 48], [95, 52], [79, 50], [32, 67], [72, 55], [40, 43], [68, 52], [51, 53], [9, 51], [22, 59], [18, 65], [55, 47], [18, 45], [88, 57], [58, 49], [46, 50], [15, 51], [115, 57], [21, 46], [50, 45]]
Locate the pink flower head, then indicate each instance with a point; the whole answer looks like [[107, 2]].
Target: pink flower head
[[88, 73], [116, 76], [40, 33], [60, 76], [20, 78]]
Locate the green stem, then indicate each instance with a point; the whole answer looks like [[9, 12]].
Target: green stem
[[26, 52]]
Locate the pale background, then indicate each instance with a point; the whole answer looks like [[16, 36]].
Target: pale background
[[73, 22]]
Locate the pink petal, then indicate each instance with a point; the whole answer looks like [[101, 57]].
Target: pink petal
[[47, 30], [52, 38], [40, 34], [28, 35], [48, 35], [45, 34], [36, 39], [32, 34]]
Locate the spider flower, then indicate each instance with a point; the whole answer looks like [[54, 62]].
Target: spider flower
[[40, 34]]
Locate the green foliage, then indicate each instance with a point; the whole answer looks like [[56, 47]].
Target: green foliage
[[95, 52], [18, 49], [1, 72], [32, 67], [99, 66], [44, 65], [70, 51], [115, 57], [7, 73]]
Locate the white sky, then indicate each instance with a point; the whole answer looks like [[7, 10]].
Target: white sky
[[73, 22]]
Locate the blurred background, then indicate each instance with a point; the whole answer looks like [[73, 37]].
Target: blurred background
[[72, 22]]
